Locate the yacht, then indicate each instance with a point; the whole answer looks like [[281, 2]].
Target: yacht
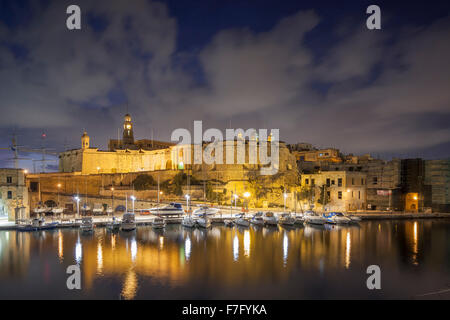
[[242, 221], [299, 219], [270, 219], [98, 209], [171, 209], [37, 224], [158, 223], [114, 225], [188, 222], [257, 219], [40, 209], [128, 222], [354, 218], [286, 219], [58, 210], [204, 222], [338, 218], [312, 218], [228, 222], [209, 211], [87, 224]]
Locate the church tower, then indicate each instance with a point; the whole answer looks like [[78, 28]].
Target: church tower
[[85, 141], [128, 136]]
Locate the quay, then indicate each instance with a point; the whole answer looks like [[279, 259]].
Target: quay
[[101, 221]]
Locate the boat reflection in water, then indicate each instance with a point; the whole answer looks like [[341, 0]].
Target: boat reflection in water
[[177, 263]]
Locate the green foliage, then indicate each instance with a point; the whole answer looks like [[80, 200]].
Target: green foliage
[[323, 199], [143, 182]]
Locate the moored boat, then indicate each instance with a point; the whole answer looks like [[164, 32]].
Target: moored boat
[[338, 218], [188, 222], [270, 219], [242, 221], [204, 222], [286, 219], [87, 224], [158, 223], [257, 219], [128, 222], [312, 218]]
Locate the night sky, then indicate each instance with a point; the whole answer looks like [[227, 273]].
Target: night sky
[[310, 68]]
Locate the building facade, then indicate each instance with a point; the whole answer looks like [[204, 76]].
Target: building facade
[[334, 191], [13, 195]]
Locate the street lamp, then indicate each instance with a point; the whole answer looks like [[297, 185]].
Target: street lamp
[[247, 195], [112, 200], [235, 200], [187, 201], [132, 199], [285, 197], [77, 199]]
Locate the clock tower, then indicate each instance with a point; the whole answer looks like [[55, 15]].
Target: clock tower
[[128, 136]]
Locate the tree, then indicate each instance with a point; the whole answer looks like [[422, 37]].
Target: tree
[[143, 182], [306, 194], [324, 198]]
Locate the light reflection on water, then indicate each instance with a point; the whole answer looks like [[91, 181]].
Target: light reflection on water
[[247, 263]]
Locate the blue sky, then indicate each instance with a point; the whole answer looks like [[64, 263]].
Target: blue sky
[[309, 68]]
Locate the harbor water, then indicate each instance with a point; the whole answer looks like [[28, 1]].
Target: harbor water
[[307, 262]]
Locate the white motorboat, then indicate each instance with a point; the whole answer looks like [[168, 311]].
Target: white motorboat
[[299, 219], [42, 209], [109, 210], [242, 221], [188, 222], [338, 218], [158, 223], [57, 210], [114, 225], [354, 218], [257, 219], [171, 209], [128, 222], [270, 219], [87, 224], [209, 211], [204, 222], [228, 222], [286, 219], [312, 218], [98, 209]]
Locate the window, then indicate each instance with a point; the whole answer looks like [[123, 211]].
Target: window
[[359, 194], [340, 182], [328, 182], [306, 181], [9, 194], [332, 182], [8, 179], [375, 180], [328, 195], [362, 181], [353, 181], [339, 194], [313, 182]]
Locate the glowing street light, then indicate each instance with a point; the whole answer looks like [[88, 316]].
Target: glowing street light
[[112, 200], [132, 199], [187, 200], [246, 196], [77, 199]]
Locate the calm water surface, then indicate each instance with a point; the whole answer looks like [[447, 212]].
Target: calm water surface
[[229, 263]]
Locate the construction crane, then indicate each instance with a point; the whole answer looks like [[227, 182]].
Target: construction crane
[[15, 148]]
